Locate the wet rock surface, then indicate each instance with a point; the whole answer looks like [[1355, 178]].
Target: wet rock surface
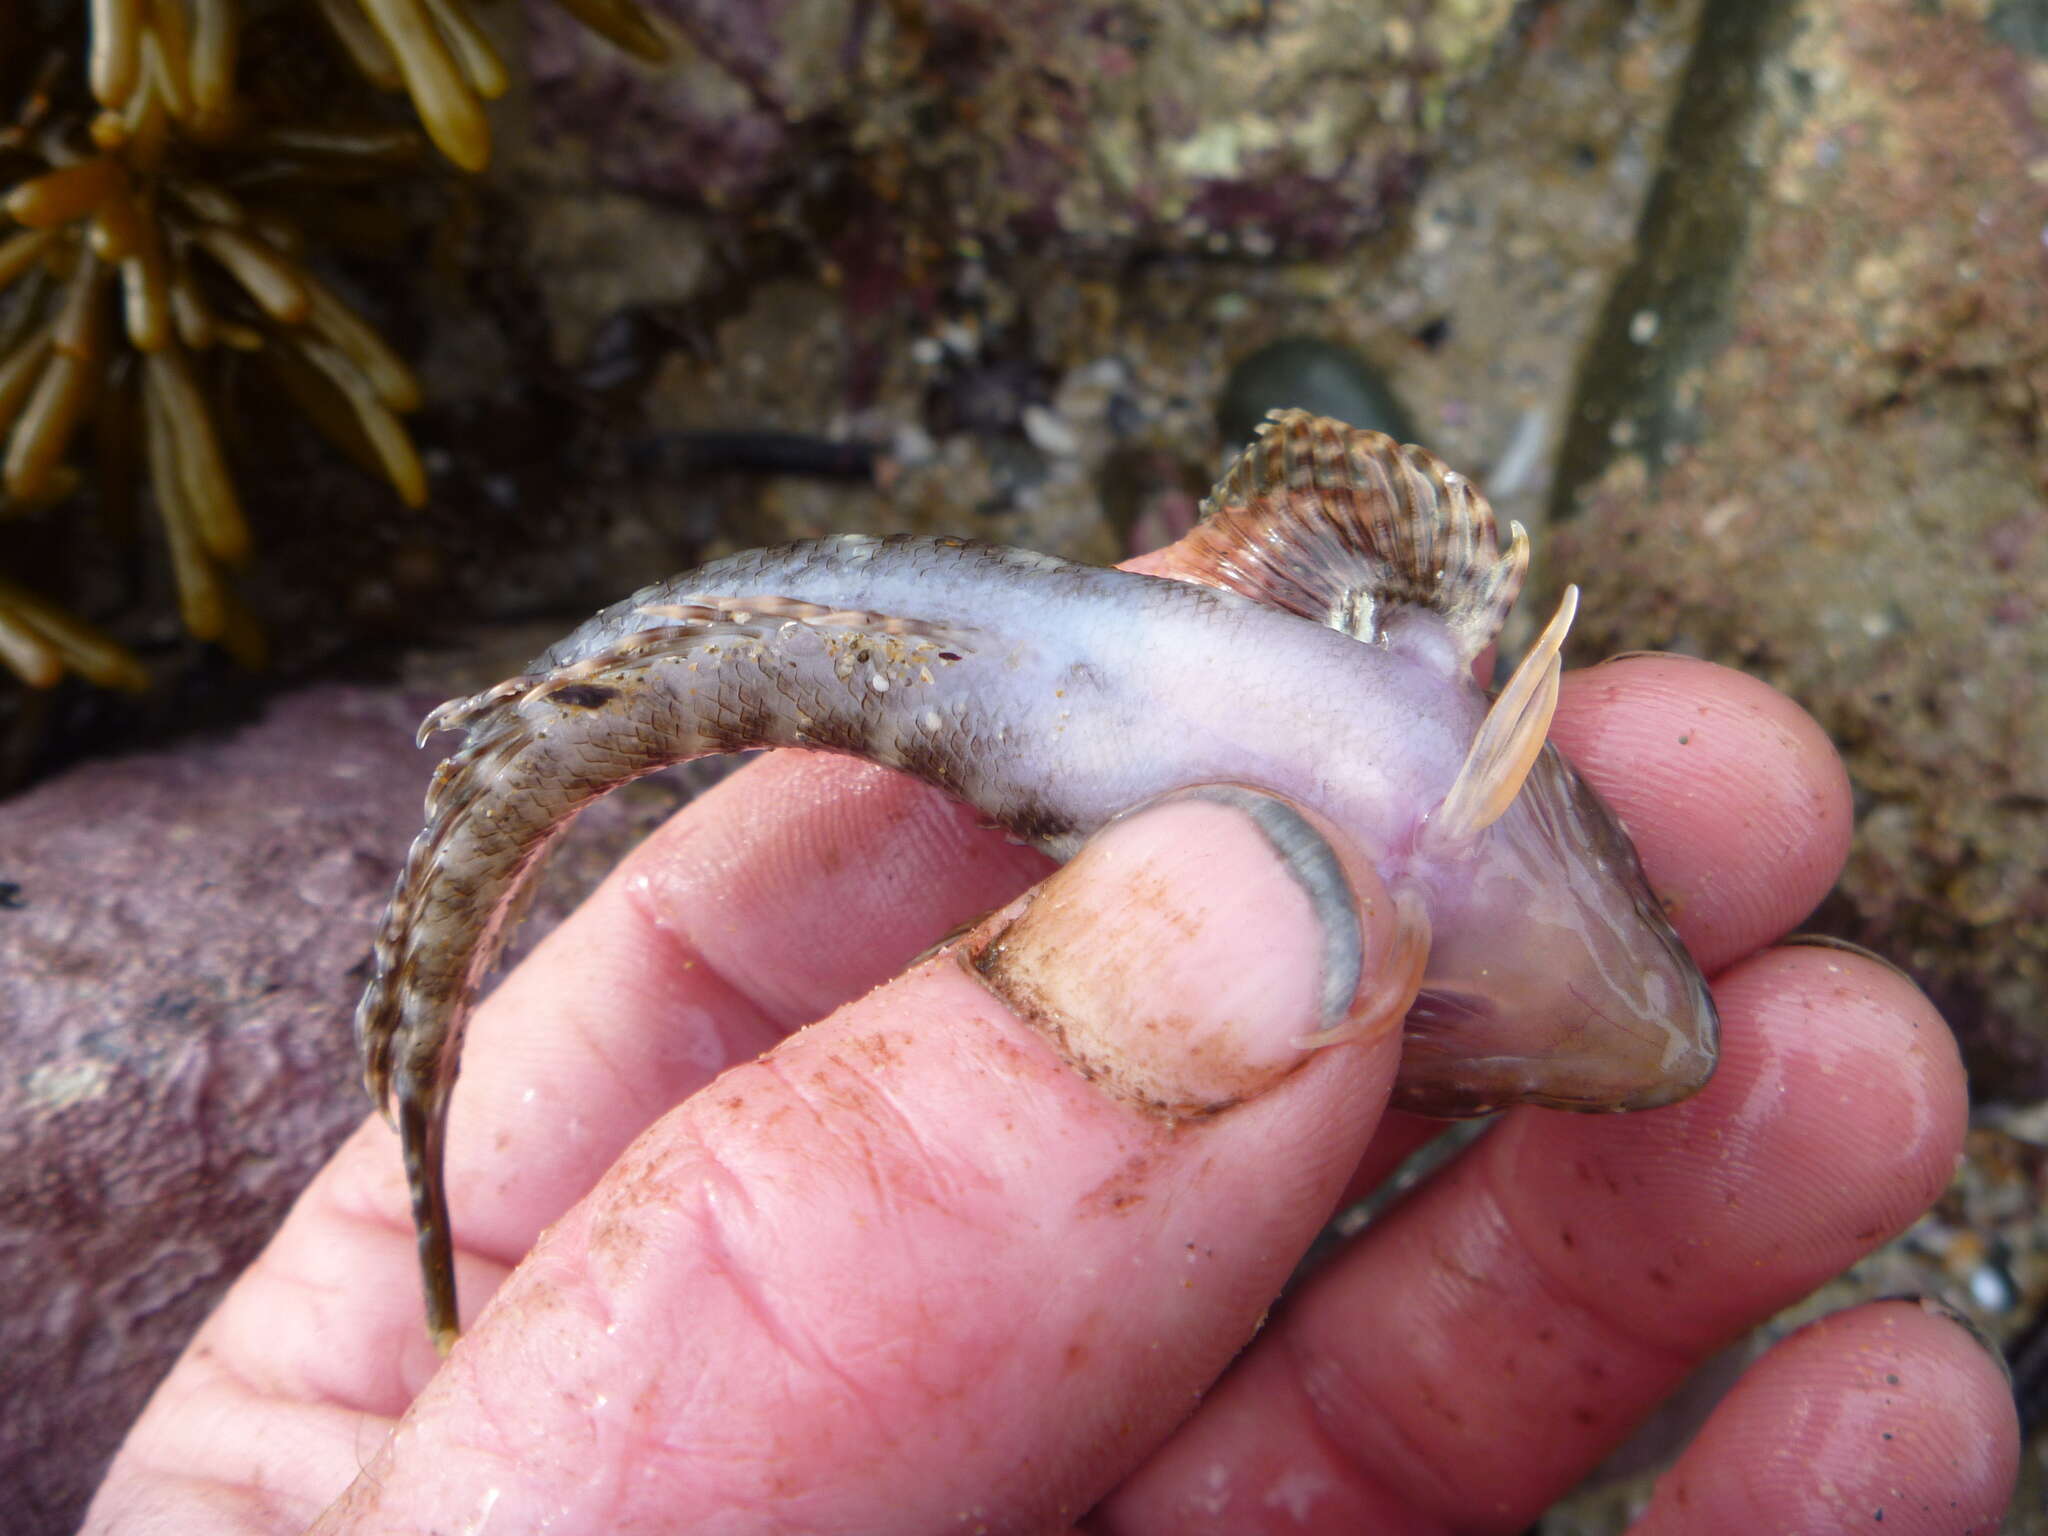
[[1216, 127], [182, 938], [181, 935], [1813, 448], [1060, 393]]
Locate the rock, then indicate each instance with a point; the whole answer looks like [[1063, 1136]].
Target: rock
[[1310, 374], [176, 960], [1810, 443], [1232, 126], [836, 301], [183, 935]]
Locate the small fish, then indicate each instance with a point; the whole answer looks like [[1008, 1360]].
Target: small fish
[[1317, 643]]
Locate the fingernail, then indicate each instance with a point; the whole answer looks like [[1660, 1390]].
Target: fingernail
[[1180, 958]]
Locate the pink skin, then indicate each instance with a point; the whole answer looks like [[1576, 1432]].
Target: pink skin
[[942, 1273], [1813, 1440]]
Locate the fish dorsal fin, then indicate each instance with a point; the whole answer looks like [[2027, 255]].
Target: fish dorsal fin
[[1346, 526], [1510, 737]]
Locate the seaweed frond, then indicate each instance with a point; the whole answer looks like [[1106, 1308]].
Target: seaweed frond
[[138, 264], [39, 641], [142, 257], [440, 54]]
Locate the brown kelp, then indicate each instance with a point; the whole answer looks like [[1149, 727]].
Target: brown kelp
[[147, 178]]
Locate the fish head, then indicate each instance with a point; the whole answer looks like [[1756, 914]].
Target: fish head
[[1555, 976]]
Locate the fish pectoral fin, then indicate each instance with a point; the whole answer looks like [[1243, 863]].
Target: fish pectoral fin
[[1386, 996], [1511, 736]]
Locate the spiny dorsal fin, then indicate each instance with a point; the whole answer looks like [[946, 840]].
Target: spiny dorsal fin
[[1344, 526]]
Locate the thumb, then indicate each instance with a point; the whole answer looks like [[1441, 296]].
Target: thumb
[[1198, 947], [969, 1248]]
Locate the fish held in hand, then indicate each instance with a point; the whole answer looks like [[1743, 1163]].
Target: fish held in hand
[[1314, 638]]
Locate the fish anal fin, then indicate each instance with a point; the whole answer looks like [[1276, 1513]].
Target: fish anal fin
[[1510, 738]]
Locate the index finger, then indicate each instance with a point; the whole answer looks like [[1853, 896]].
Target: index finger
[[1734, 797], [785, 891]]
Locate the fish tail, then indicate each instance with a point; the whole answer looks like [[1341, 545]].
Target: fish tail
[[708, 676]]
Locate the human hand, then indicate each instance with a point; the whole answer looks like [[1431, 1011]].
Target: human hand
[[912, 1271]]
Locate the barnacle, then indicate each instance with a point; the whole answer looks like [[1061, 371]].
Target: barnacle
[[144, 262]]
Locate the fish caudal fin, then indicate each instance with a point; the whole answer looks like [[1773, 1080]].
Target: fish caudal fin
[[709, 674], [1346, 526]]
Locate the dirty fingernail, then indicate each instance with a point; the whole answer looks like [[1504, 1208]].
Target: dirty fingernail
[[1181, 957]]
